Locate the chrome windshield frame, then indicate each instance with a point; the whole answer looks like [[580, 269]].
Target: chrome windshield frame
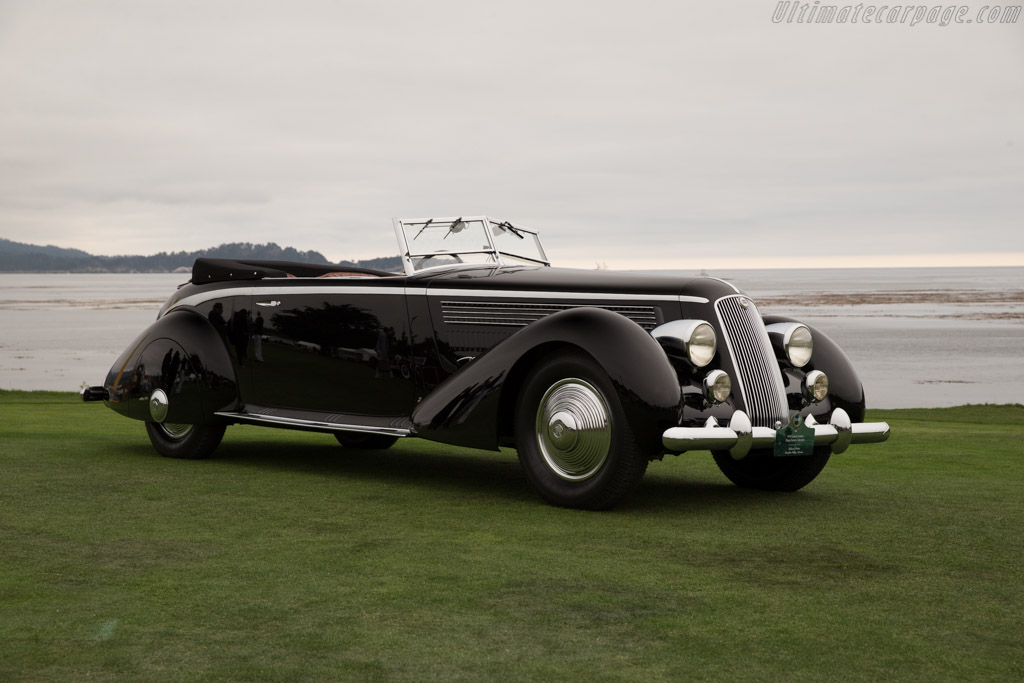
[[494, 251]]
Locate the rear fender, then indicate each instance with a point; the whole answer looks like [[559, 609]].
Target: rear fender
[[183, 355], [474, 406]]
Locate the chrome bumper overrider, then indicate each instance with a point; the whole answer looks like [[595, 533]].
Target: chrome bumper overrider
[[739, 437]]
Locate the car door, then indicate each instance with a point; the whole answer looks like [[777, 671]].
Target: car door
[[335, 345]]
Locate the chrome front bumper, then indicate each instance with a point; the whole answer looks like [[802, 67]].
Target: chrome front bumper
[[739, 437]]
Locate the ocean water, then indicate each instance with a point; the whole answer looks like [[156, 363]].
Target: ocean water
[[919, 337], [61, 331]]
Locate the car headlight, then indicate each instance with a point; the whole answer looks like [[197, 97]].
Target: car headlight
[[702, 345], [717, 386], [792, 341], [694, 339], [816, 386]]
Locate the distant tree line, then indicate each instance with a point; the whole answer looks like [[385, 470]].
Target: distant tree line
[[27, 258]]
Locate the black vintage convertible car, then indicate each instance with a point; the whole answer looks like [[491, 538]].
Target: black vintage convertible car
[[481, 343]]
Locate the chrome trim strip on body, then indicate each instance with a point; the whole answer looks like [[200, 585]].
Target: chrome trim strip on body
[[313, 424], [203, 297], [322, 289], [527, 294]]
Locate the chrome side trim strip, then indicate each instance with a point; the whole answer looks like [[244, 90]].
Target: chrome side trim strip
[[320, 289], [313, 424], [203, 297], [527, 294]]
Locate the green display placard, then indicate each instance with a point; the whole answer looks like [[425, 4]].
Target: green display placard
[[795, 439]]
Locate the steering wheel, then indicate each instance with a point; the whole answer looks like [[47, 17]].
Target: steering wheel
[[458, 259]]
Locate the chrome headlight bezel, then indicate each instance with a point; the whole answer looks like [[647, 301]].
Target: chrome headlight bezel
[[695, 340], [717, 386], [793, 342], [815, 386]]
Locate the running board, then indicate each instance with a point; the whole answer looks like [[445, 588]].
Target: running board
[[314, 425]]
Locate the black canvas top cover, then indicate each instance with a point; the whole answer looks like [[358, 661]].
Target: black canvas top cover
[[206, 270]]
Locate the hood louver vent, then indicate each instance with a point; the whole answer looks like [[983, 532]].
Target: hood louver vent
[[522, 314]]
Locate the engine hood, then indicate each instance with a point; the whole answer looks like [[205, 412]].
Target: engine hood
[[546, 279]]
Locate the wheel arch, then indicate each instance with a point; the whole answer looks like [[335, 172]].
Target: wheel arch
[[517, 376], [183, 355], [475, 406]]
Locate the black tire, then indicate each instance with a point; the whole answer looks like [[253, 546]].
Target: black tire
[[762, 470], [190, 442], [369, 442], [592, 463]]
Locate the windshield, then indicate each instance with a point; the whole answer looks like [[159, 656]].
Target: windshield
[[476, 240], [513, 241]]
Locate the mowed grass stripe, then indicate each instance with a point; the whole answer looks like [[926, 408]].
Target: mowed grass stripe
[[287, 557]]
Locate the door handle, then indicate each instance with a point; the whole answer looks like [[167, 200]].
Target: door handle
[[268, 303]]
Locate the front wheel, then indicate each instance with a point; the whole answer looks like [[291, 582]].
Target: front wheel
[[572, 436], [762, 470], [191, 442]]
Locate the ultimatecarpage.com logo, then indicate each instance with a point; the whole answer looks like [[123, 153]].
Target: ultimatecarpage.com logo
[[816, 13]]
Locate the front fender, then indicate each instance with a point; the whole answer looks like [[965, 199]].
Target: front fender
[[469, 408], [182, 354], [845, 390]]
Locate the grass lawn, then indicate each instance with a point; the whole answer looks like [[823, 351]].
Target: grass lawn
[[287, 557]]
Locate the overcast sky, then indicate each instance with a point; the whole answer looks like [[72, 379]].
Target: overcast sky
[[639, 134]]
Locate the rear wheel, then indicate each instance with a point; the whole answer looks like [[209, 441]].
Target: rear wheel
[[572, 435], [762, 470], [365, 441], [191, 442]]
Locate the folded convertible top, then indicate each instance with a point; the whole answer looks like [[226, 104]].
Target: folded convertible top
[[206, 270]]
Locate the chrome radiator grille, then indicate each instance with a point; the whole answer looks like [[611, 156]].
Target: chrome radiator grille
[[522, 314], [760, 380]]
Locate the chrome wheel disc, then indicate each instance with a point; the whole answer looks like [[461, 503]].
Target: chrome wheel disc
[[175, 432], [573, 429]]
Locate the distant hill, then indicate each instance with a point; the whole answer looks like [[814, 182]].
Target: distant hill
[[9, 247], [16, 257]]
